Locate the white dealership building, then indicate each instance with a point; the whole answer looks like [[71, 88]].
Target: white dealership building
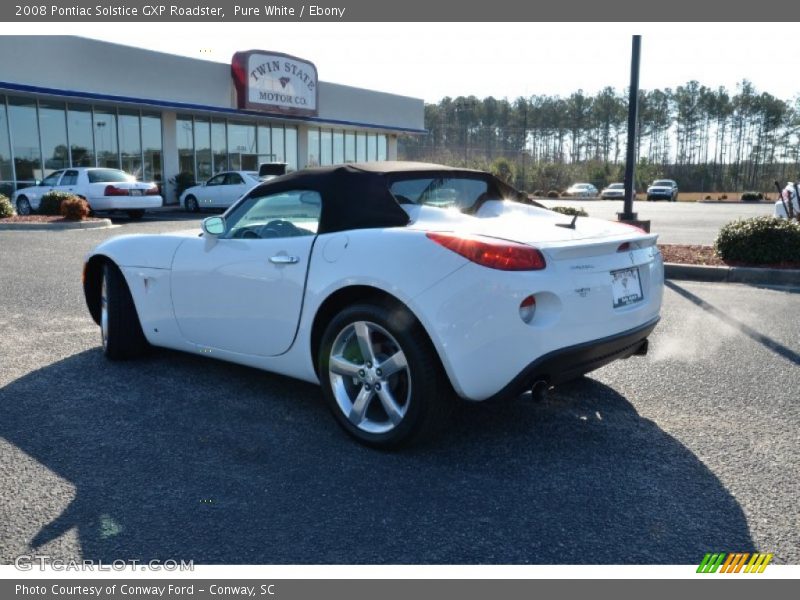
[[69, 101]]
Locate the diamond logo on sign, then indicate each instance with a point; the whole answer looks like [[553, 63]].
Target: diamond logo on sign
[[275, 82]]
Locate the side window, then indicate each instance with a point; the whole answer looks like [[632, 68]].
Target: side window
[[70, 178], [218, 180], [234, 179], [52, 179], [285, 214]]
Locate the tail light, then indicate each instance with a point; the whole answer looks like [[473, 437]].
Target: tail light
[[492, 253], [152, 190], [112, 190]]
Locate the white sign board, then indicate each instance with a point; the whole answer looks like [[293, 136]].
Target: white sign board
[[274, 82]]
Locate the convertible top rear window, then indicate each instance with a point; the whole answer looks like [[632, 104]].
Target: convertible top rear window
[[442, 192]]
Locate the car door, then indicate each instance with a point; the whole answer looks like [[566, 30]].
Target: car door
[[242, 291], [207, 195], [233, 189], [48, 184], [69, 181]]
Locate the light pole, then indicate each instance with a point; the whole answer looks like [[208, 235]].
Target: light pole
[[627, 215]]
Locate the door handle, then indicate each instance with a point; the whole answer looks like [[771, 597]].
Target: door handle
[[283, 259]]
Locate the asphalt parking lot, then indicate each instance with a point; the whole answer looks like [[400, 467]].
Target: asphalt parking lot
[[675, 222], [660, 459]]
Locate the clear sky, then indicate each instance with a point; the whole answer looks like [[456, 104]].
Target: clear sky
[[433, 60]]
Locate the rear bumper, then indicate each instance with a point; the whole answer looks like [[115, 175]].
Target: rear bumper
[[126, 203], [571, 362]]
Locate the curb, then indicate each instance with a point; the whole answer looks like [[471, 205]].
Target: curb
[[752, 275], [19, 226]]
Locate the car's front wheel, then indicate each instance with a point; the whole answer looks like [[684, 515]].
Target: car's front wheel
[[120, 329], [192, 204], [23, 206], [381, 376]]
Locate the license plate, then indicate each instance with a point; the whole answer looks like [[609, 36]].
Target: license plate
[[136, 192], [625, 287]]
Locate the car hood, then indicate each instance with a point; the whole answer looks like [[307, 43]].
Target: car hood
[[520, 223], [144, 250]]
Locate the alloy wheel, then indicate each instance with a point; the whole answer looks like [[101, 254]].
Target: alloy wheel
[[370, 377]]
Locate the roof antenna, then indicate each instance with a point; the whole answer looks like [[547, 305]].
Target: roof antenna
[[570, 225]]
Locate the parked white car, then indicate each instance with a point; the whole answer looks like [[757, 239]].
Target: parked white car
[[789, 195], [220, 191], [360, 278], [104, 189], [615, 191], [581, 190]]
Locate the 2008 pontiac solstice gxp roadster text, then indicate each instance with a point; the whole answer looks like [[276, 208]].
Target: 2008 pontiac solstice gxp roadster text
[[392, 285]]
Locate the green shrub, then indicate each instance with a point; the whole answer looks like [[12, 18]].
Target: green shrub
[[6, 208], [752, 196], [553, 194], [51, 203], [538, 193], [707, 198], [723, 197], [570, 211], [759, 240], [74, 208]]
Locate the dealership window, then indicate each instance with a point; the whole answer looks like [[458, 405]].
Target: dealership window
[[202, 147], [291, 148], [79, 130], [326, 147], [130, 144], [185, 132], [372, 147], [219, 146], [105, 138], [264, 140], [350, 146], [383, 147], [338, 147], [151, 147], [242, 147], [25, 139], [278, 144], [361, 147], [6, 170], [313, 148], [53, 131]]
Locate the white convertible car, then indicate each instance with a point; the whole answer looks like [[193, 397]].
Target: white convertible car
[[392, 285]]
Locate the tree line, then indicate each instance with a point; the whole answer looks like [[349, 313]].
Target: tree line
[[707, 139]]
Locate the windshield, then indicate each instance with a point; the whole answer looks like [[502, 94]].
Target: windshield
[[108, 176], [666, 182], [442, 192], [616, 186]]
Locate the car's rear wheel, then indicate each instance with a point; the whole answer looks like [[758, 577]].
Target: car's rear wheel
[[381, 376], [120, 329], [192, 204], [23, 206]]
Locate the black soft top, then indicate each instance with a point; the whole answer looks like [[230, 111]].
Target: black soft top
[[357, 196]]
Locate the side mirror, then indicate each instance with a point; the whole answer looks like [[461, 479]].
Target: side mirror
[[214, 226]]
